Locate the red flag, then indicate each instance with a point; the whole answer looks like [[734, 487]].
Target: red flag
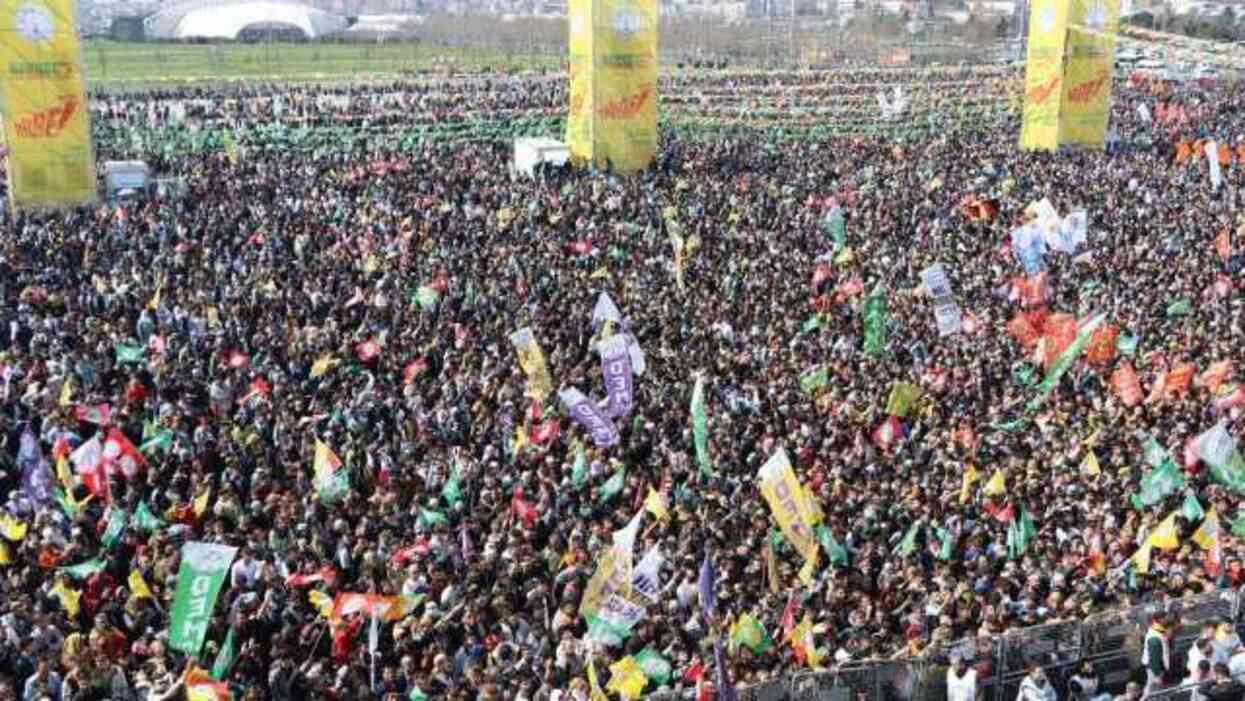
[[582, 247], [1215, 375], [820, 274], [237, 360], [694, 673], [98, 414], [259, 387], [522, 509], [60, 449], [849, 289], [367, 351], [1101, 348], [1060, 332], [415, 551], [156, 344], [414, 369], [325, 574], [788, 614], [888, 433], [1002, 514], [547, 431], [1126, 385], [121, 455]]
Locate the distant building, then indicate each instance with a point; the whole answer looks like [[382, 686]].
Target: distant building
[[240, 19]]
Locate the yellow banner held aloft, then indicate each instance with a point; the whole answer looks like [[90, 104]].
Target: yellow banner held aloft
[[613, 87], [532, 360], [46, 122], [1089, 65], [789, 503], [1048, 29]]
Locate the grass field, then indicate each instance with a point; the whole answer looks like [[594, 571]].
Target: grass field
[[113, 63]]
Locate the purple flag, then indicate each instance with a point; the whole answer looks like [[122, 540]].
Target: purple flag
[[616, 367], [36, 477], [708, 599], [586, 414], [726, 689]]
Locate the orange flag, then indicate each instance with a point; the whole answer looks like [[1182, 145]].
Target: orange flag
[[1184, 152], [1060, 333], [1101, 349], [1126, 385], [1214, 375], [1223, 243]]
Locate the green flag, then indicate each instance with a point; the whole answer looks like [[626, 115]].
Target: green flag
[[116, 524], [813, 323], [156, 438], [427, 298], [747, 631], [225, 657], [834, 224], [579, 469], [452, 491], [1019, 533], [1231, 473], [82, 570], [431, 518], [946, 547], [1192, 508], [199, 579], [613, 485], [908, 544], [71, 510], [130, 354], [836, 552], [700, 428], [903, 396], [332, 486], [655, 667], [875, 317], [1024, 375], [1238, 526], [144, 520], [1180, 307], [814, 380], [1157, 484], [417, 695], [1065, 360], [1126, 344]]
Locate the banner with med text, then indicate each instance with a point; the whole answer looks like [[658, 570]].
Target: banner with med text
[[613, 56], [199, 579], [1048, 23], [47, 127], [1088, 69], [788, 502]]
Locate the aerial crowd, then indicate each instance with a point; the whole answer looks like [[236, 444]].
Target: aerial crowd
[[300, 314]]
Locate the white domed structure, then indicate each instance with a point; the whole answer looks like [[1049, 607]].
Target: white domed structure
[[234, 19]]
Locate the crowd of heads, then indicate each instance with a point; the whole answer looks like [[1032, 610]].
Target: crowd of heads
[[273, 260]]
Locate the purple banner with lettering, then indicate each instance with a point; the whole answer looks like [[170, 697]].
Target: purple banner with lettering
[[586, 414], [36, 477], [616, 367]]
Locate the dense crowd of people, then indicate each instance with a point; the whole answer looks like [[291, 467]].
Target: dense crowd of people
[[283, 300]]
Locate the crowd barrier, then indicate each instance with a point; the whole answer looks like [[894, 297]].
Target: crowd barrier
[[1111, 642]]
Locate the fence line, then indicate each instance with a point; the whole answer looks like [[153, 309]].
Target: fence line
[[1110, 641]]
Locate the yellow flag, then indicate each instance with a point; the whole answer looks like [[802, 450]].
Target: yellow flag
[[66, 397], [1164, 537], [971, 476], [594, 686], [808, 570], [138, 585], [656, 504], [326, 461], [68, 598], [5, 557], [201, 502], [1208, 532], [627, 678], [1089, 466], [815, 514], [322, 602], [801, 639], [322, 366], [11, 528], [519, 441], [63, 474], [996, 486], [155, 300], [1141, 559]]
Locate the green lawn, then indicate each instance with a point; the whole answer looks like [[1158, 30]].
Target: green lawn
[[114, 63]]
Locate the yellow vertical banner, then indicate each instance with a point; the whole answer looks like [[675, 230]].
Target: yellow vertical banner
[[1088, 69], [613, 56], [1048, 24], [47, 127], [789, 503]]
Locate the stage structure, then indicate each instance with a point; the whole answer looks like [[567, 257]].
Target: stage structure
[[1068, 73], [613, 110]]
